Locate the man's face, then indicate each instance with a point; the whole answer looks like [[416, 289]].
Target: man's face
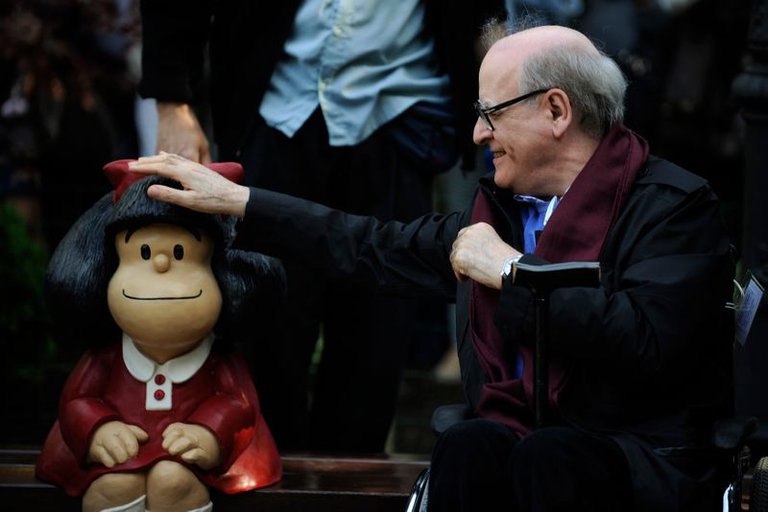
[[519, 139], [164, 294]]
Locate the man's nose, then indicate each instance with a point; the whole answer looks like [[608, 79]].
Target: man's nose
[[481, 134]]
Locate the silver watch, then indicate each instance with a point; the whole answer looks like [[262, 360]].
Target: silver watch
[[509, 264]]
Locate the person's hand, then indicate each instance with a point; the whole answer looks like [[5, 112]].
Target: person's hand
[[179, 132], [193, 443], [204, 190], [115, 442], [479, 254]]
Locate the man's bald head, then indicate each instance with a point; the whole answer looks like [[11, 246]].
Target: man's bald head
[[530, 41], [553, 56]]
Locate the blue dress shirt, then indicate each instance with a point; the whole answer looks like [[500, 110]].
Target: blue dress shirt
[[364, 62], [535, 213]]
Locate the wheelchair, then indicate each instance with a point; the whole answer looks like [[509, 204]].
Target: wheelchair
[[746, 434], [741, 440]]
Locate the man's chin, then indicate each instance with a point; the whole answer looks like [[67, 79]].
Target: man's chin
[[502, 179]]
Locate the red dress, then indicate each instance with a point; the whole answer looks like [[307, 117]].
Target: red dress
[[220, 396]]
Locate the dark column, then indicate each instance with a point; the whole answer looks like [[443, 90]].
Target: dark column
[[751, 90]]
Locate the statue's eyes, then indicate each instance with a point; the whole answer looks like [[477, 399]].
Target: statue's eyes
[[146, 252], [178, 251]]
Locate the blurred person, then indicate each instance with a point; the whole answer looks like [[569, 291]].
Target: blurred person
[[356, 105]]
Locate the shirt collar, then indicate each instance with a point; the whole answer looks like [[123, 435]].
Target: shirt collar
[[531, 199], [178, 370], [547, 207]]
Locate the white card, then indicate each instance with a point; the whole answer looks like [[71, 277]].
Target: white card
[[745, 311]]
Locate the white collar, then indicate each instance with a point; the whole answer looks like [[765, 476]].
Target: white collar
[[178, 369], [539, 204]]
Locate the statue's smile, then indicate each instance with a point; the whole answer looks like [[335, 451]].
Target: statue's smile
[[162, 298]]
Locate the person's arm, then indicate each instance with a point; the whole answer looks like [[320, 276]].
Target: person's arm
[[174, 37], [392, 257]]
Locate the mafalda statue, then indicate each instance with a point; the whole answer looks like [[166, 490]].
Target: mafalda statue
[[165, 410]]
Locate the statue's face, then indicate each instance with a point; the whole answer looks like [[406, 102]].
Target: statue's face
[[164, 294]]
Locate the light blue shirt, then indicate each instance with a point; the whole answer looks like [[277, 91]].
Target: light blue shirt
[[363, 62], [535, 213]]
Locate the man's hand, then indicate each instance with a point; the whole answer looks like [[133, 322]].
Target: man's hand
[[179, 132], [204, 190], [193, 443], [115, 442], [479, 254]]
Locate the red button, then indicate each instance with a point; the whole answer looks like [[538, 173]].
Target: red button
[[159, 379], [159, 394]]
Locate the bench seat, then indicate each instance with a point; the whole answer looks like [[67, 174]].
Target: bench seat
[[314, 483]]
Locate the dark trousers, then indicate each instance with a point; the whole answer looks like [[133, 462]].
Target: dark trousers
[[483, 465], [351, 403]]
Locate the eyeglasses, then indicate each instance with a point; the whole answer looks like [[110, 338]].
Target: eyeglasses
[[482, 112]]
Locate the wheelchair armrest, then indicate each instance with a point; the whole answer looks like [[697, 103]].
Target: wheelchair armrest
[[542, 279], [447, 415]]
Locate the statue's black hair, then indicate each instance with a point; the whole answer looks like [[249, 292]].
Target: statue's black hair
[[84, 261]]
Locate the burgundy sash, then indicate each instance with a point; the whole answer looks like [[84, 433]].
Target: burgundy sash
[[576, 231]]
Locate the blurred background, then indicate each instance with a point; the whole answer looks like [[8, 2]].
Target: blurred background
[[68, 105]]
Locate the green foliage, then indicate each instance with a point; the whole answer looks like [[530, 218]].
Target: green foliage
[[25, 326]]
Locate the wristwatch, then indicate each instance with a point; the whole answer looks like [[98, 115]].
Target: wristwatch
[[509, 265]]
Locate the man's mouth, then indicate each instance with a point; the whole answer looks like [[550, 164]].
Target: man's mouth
[[163, 298], [498, 154]]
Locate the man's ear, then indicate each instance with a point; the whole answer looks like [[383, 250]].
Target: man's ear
[[560, 111]]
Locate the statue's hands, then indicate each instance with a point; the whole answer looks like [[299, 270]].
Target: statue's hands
[[193, 443], [115, 442], [478, 253]]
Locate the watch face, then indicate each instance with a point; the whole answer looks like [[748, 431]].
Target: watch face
[[508, 265]]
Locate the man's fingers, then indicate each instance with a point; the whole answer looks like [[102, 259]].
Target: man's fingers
[[154, 164], [170, 166], [168, 194]]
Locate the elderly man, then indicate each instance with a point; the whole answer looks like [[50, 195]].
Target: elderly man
[[639, 365]]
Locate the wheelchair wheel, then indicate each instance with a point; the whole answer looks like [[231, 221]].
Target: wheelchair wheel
[[758, 501], [417, 502]]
